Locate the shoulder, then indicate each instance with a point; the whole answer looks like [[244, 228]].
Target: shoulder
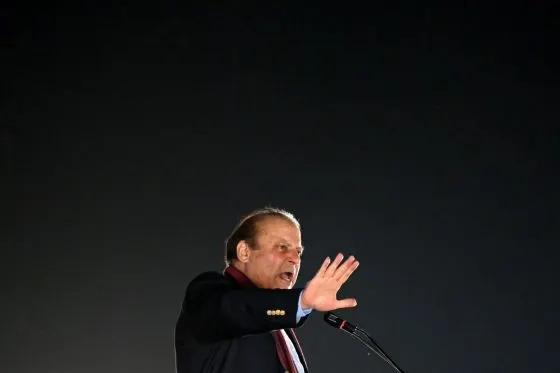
[[209, 279], [208, 276], [206, 286]]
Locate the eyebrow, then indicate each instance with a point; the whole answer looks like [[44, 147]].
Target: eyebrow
[[283, 241]]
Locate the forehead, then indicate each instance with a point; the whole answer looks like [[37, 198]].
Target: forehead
[[275, 227]]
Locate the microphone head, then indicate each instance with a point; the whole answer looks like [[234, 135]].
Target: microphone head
[[333, 320], [338, 322]]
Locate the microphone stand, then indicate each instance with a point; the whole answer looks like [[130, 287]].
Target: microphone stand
[[368, 341], [362, 336]]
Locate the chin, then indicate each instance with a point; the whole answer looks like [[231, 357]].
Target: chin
[[284, 286]]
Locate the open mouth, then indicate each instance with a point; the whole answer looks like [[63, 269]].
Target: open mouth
[[287, 276]]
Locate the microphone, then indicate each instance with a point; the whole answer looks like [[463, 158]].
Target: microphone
[[339, 323], [361, 335]]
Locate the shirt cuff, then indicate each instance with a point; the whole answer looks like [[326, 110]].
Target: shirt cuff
[[302, 311]]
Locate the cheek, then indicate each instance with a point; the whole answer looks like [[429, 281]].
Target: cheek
[[277, 259], [268, 265]]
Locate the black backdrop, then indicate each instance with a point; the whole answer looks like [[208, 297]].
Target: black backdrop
[[418, 138]]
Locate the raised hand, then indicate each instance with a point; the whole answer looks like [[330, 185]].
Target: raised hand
[[320, 293]]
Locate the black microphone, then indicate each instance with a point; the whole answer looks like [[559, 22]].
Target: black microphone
[[361, 335], [339, 322]]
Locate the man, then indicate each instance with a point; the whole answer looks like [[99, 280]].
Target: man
[[242, 321]]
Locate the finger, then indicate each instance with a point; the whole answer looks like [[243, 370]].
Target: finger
[[349, 272], [324, 266], [344, 267], [347, 303], [334, 265]]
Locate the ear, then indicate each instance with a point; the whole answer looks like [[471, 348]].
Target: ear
[[243, 251]]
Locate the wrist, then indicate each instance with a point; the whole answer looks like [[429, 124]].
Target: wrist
[[303, 302]]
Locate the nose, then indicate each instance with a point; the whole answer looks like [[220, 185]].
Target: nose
[[294, 257]]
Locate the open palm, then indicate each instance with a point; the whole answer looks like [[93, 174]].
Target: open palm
[[321, 292]]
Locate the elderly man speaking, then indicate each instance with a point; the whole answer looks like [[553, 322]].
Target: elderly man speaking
[[242, 320]]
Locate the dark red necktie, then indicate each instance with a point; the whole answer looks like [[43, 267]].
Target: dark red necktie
[[281, 344]]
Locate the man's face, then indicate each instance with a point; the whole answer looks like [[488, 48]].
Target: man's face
[[274, 259]]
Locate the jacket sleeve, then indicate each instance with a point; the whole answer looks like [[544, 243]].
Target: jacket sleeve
[[214, 310]]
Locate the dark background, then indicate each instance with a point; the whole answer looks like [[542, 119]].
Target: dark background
[[421, 138]]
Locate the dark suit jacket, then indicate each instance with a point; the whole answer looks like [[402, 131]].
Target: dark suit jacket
[[224, 328]]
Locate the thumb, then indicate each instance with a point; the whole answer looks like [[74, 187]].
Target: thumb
[[347, 303]]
